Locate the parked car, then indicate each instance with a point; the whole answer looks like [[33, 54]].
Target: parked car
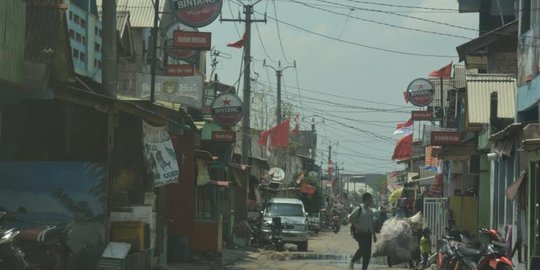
[[314, 222], [293, 219]]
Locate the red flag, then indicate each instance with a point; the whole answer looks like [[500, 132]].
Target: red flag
[[278, 135], [443, 72], [307, 188], [403, 148], [239, 44], [406, 96], [405, 128]]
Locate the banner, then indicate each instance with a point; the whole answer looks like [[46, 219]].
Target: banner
[[160, 155]]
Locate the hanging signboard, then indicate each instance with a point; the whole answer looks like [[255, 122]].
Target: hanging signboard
[[420, 92], [445, 137], [192, 40], [168, 41], [180, 70], [185, 90], [227, 109], [196, 13], [160, 155], [224, 136], [421, 115]]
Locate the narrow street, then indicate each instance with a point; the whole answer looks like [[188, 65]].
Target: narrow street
[[326, 251]]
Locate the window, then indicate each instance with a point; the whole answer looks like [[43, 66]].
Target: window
[[71, 15], [84, 40], [99, 64], [78, 37], [75, 53], [71, 34], [95, 63], [97, 47], [83, 23], [82, 56], [77, 19], [525, 16]]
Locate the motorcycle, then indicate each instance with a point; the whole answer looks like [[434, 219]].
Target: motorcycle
[[276, 240], [491, 254], [335, 223], [11, 256], [445, 255], [46, 246]]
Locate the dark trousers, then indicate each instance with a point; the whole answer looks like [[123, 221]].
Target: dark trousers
[[364, 249]]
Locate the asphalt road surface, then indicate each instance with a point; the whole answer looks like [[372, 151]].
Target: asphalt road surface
[[326, 251]]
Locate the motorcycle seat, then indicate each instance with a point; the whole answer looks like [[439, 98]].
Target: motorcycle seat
[[42, 233], [468, 252]]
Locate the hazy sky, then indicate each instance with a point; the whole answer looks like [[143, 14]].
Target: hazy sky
[[353, 92]]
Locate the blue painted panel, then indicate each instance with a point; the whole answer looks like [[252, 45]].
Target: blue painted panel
[[528, 95], [58, 192]]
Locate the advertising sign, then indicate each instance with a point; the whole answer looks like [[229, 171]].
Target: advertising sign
[[192, 40], [185, 90], [223, 136], [445, 137], [168, 41], [196, 13], [421, 115], [227, 109], [160, 155], [180, 70], [420, 92]]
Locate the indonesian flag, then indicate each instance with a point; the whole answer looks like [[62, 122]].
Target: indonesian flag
[[278, 135], [443, 72], [405, 128], [403, 148], [307, 188], [239, 44]]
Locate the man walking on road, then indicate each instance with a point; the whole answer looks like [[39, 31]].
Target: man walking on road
[[362, 221]]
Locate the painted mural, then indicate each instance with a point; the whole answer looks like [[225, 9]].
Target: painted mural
[[51, 193]]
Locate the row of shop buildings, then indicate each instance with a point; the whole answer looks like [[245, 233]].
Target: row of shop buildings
[[487, 133], [70, 152]]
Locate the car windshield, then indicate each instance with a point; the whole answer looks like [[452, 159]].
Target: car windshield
[[284, 209]]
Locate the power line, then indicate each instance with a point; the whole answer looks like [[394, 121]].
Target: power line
[[279, 34], [378, 22]]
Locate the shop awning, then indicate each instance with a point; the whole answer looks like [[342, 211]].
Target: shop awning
[[479, 90], [506, 132], [512, 190], [426, 181]]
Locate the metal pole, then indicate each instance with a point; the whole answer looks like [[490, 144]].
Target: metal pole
[[246, 128], [154, 52], [110, 69], [278, 110]]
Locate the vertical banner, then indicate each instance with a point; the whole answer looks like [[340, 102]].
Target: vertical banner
[[160, 155]]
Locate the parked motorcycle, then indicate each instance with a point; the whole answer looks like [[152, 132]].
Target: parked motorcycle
[[11, 256], [446, 259], [46, 246], [490, 256]]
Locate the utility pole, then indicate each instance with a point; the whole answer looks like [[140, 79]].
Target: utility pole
[[246, 128], [154, 53], [313, 141], [110, 70], [279, 73]]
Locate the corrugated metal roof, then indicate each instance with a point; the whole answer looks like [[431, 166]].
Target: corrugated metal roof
[[122, 18], [479, 90], [141, 11], [44, 25]]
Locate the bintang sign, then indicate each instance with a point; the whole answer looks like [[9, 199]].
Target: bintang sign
[[196, 13], [420, 92], [227, 109]]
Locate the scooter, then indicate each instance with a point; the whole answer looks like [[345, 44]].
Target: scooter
[[490, 256], [11, 256], [446, 259]]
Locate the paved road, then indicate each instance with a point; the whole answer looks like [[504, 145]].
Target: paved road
[[326, 251]]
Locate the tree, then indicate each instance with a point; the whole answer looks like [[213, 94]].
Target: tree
[[312, 202]]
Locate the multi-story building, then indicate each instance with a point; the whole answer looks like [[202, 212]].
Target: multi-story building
[[85, 38]]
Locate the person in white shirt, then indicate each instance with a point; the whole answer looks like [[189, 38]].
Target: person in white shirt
[[361, 219]]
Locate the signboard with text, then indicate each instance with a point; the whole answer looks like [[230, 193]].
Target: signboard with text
[[224, 136], [227, 109], [421, 115], [185, 54], [445, 137], [180, 70], [420, 92], [192, 40], [196, 13]]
